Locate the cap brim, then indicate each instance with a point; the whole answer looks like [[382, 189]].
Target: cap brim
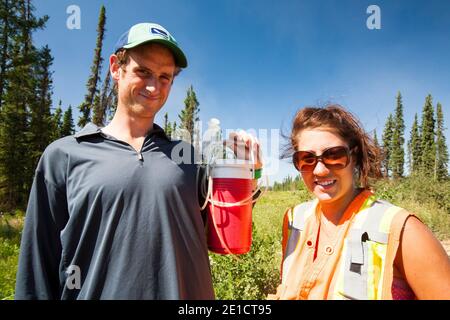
[[180, 58]]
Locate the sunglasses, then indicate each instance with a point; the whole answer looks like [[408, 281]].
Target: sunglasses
[[334, 158]]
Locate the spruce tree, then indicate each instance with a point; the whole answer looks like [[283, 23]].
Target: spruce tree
[[40, 117], [375, 139], [428, 145], [56, 122], [166, 121], [397, 153], [18, 100], [67, 127], [387, 144], [167, 125], [9, 26], [169, 131], [442, 157], [104, 102], [174, 133], [414, 147], [37, 100], [96, 106], [87, 105], [189, 115]]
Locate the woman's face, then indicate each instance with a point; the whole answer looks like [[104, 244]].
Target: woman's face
[[328, 185]]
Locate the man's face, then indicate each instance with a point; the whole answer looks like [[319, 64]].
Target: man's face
[[150, 65]]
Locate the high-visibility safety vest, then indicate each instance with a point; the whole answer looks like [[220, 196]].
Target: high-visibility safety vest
[[357, 264]]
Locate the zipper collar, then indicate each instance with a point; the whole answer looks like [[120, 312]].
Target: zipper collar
[[91, 129]]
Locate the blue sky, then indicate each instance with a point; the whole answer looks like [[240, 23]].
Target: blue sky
[[254, 63]]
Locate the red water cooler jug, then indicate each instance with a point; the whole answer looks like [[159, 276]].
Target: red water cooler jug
[[229, 228]]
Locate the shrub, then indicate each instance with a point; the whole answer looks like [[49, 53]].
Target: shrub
[[10, 230], [9, 253], [428, 199], [250, 276]]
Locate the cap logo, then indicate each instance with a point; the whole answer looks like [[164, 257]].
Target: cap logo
[[159, 32]]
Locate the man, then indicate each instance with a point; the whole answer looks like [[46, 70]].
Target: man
[[111, 214]]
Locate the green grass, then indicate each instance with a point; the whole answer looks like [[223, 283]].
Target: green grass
[[256, 274], [10, 229]]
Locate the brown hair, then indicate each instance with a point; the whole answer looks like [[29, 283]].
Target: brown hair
[[123, 57], [347, 126]]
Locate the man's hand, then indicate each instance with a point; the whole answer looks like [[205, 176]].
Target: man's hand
[[242, 144]]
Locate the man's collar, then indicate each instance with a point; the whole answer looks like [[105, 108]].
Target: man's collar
[[89, 129], [92, 129], [157, 130]]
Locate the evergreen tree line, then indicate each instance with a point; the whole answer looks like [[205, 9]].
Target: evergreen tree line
[[426, 150], [29, 121], [27, 124]]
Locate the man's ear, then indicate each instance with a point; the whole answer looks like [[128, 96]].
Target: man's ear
[[114, 67]]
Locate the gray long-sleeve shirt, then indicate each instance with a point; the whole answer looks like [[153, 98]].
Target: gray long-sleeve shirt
[[126, 223]]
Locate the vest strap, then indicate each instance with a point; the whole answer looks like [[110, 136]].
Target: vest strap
[[293, 224]]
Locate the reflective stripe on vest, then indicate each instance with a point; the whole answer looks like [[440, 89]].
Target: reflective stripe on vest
[[294, 224], [364, 253]]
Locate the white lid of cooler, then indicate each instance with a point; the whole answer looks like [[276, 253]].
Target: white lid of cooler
[[232, 168]]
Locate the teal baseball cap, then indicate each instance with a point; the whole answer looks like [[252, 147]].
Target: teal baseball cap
[[151, 32]]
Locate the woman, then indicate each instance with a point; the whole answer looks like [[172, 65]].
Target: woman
[[347, 244]]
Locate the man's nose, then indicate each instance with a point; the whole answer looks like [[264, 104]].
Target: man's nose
[[152, 85], [150, 89], [320, 169]]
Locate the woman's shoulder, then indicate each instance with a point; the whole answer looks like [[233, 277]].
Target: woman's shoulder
[[419, 252]]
